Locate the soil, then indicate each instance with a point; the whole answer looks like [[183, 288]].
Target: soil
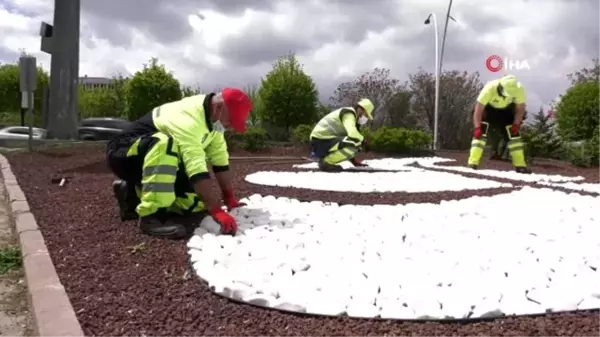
[[122, 282], [15, 318]]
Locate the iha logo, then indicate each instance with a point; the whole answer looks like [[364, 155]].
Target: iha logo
[[495, 63]]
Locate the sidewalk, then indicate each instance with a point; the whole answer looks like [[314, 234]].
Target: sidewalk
[[15, 318]]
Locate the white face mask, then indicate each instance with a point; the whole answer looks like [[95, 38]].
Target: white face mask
[[218, 126], [362, 120]]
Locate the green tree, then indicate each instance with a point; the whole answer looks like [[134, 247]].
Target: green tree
[[149, 88], [586, 74], [187, 91], [577, 111], [540, 137], [289, 95], [258, 108], [104, 102], [10, 91]]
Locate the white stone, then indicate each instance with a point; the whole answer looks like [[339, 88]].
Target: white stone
[[404, 261]]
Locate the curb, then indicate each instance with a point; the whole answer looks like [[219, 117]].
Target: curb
[[53, 314]]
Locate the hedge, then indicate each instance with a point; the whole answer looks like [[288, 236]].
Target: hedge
[[383, 140], [254, 139], [398, 140]]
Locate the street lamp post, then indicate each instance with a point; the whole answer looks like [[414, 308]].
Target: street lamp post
[[448, 18], [437, 79], [438, 66]]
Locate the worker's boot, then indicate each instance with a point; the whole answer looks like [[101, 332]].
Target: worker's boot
[[127, 199], [473, 166], [326, 167], [523, 170], [168, 229]]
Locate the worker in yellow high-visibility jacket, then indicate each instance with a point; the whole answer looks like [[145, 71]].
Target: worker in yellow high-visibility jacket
[[162, 161], [336, 137], [501, 104]]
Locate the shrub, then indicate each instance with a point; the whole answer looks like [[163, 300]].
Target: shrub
[[254, 139], [301, 134], [587, 154], [399, 140]]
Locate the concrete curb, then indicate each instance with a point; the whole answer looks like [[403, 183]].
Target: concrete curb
[[52, 312]]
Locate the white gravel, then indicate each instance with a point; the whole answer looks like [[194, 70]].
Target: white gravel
[[525, 252], [585, 187], [415, 180], [512, 175], [393, 164]]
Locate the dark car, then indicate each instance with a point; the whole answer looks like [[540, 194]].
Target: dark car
[[101, 128]]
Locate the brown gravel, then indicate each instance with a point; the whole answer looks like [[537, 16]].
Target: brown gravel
[[124, 283]]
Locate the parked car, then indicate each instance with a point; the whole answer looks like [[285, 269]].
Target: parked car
[[21, 132], [101, 128]]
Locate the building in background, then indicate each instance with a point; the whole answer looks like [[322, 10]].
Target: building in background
[[91, 83]]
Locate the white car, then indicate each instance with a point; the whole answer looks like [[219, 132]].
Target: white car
[[21, 132]]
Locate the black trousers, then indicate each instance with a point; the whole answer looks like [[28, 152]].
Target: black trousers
[[320, 147], [130, 168], [498, 119]]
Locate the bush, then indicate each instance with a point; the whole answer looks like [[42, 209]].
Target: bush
[[368, 134], [288, 95], [301, 134], [587, 154], [398, 140], [577, 111], [150, 87], [254, 139]]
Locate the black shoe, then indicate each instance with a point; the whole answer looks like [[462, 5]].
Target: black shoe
[[323, 166], [473, 166], [127, 200], [151, 225], [523, 170]]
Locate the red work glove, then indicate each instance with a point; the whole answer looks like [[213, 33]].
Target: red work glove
[[514, 129], [477, 133], [230, 201], [357, 162], [225, 220]]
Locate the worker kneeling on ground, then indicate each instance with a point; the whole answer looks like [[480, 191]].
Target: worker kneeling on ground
[[501, 104], [162, 161], [336, 137]]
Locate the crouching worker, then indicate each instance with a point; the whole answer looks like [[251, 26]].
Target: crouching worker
[[501, 105], [162, 162], [336, 138]]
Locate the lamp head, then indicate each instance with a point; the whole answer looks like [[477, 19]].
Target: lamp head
[[428, 20]]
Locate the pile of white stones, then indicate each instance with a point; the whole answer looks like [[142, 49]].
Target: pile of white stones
[[530, 251]]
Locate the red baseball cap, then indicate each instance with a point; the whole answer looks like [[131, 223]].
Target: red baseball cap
[[239, 105]]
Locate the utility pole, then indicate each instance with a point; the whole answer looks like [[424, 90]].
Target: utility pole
[[61, 40]]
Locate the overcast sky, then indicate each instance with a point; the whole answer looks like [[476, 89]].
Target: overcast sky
[[233, 42]]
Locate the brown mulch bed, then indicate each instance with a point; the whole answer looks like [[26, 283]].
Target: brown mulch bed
[[121, 282]]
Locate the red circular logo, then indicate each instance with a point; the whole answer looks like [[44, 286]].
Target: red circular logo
[[494, 63]]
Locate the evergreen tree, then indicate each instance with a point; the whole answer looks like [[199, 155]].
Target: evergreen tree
[[541, 138]]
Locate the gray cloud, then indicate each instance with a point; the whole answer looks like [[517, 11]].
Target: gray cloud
[[248, 56], [113, 19], [261, 44], [8, 56]]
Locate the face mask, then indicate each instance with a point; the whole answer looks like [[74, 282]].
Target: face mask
[[362, 120], [218, 126]]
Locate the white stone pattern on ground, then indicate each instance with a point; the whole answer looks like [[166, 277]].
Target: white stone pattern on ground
[[585, 187], [392, 164], [525, 252], [416, 180], [512, 175]]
